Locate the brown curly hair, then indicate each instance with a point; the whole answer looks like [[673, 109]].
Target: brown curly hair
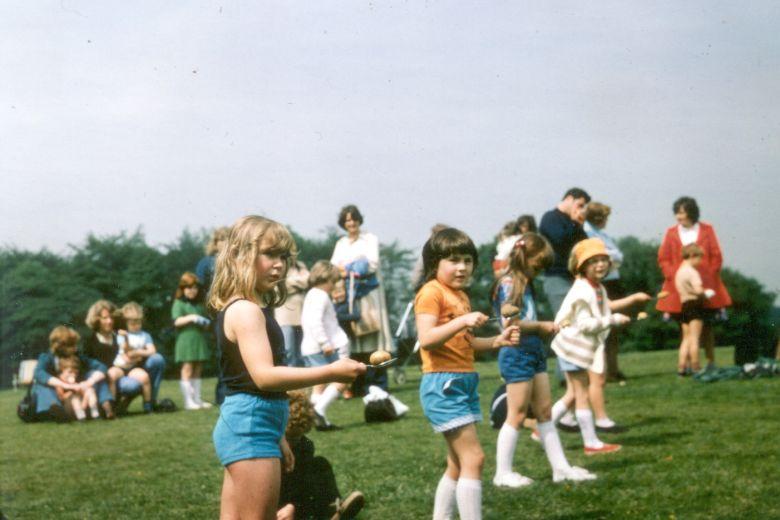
[[301, 414]]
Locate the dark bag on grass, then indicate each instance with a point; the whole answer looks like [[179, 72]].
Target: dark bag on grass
[[380, 410], [498, 408], [26, 408], [165, 406]]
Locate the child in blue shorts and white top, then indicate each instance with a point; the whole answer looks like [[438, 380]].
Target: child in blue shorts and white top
[[448, 390], [249, 435], [523, 366], [324, 341]]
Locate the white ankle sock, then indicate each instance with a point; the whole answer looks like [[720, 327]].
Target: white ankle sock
[[444, 502], [468, 494], [505, 449], [80, 415], [94, 412], [330, 394], [588, 429], [552, 445], [558, 410]]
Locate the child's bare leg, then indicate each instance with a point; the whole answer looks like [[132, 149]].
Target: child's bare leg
[[580, 383], [563, 404], [464, 443], [251, 489], [682, 356], [548, 435], [518, 395], [694, 335], [114, 375], [75, 404], [708, 341], [91, 403], [596, 394], [140, 375]]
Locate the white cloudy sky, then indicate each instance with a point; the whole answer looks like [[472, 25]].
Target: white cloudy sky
[[168, 115]]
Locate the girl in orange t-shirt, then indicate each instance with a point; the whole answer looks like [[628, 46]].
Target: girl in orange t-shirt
[[448, 390]]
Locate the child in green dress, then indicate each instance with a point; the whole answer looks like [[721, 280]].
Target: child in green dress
[[192, 349]]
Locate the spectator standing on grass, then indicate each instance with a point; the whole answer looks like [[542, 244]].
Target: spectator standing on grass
[[357, 257], [288, 315], [192, 350], [690, 230], [103, 345], [63, 344]]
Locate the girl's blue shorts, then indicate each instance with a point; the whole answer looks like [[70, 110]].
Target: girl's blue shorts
[[250, 427], [450, 399], [567, 366], [519, 364], [320, 359]]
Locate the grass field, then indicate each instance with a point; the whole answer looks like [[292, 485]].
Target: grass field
[[693, 450]]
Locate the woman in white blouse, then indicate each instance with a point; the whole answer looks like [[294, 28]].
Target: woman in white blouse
[[357, 254]]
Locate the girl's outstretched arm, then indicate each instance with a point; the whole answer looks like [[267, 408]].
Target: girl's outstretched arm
[[629, 301], [245, 324], [510, 336]]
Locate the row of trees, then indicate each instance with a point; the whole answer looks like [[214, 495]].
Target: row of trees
[[39, 290]]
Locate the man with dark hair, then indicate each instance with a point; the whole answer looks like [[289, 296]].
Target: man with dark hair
[[562, 226]]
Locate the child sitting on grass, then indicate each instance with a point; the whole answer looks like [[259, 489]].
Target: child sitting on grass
[[688, 283], [311, 486], [135, 345], [76, 401]]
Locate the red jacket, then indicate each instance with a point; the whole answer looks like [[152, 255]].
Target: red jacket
[[670, 258]]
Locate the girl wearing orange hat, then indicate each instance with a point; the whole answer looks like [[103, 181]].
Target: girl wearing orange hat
[[585, 318]]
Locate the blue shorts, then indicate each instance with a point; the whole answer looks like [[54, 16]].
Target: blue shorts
[[450, 399], [518, 364], [250, 427], [567, 366], [320, 359]]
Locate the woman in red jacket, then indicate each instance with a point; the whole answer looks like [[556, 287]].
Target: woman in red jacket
[[689, 230]]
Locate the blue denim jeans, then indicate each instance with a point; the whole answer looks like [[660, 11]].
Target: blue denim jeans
[[293, 334], [46, 396], [155, 367]]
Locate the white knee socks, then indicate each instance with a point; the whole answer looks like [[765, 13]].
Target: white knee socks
[[468, 494], [444, 502], [552, 445], [588, 429], [330, 394], [505, 449], [558, 410], [186, 392]]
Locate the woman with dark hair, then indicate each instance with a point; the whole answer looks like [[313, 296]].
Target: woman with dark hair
[[357, 257], [689, 230]]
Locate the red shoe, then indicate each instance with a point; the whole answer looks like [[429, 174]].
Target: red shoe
[[606, 448]]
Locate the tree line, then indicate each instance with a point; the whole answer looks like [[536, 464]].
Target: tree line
[[39, 290]]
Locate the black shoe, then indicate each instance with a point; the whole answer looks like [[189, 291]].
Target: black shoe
[[568, 427], [321, 424], [58, 414], [351, 506], [122, 404], [611, 429]]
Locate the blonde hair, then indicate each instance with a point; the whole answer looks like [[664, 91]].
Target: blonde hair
[[218, 235], [235, 272], [323, 272], [72, 362], [132, 310], [597, 213], [93, 314], [692, 250], [301, 417], [61, 337]]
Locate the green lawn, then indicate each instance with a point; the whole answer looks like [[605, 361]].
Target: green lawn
[[694, 450]]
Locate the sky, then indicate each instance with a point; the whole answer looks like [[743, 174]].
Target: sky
[[164, 116]]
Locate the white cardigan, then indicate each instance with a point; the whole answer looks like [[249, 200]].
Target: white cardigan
[[320, 326], [584, 326]]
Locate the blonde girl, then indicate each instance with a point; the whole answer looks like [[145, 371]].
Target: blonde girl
[[585, 319], [523, 366], [249, 434], [448, 389], [192, 348]]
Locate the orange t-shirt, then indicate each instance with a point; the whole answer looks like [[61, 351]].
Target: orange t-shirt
[[456, 355]]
